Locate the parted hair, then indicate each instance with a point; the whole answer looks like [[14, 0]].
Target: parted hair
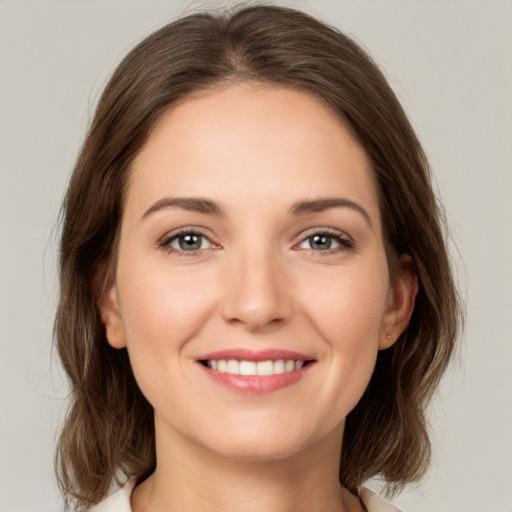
[[108, 433]]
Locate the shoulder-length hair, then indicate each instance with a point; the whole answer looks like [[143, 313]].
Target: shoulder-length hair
[[108, 434]]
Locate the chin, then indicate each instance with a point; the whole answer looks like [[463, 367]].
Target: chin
[[259, 443], [261, 451]]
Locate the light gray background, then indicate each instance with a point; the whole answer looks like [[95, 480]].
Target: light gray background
[[449, 62]]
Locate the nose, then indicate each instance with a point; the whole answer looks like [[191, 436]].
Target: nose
[[257, 292]]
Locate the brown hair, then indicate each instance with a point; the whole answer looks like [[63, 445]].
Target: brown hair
[[108, 433]]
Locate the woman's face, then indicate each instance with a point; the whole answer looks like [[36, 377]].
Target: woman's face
[[252, 287]]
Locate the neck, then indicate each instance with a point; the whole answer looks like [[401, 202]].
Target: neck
[[189, 477]]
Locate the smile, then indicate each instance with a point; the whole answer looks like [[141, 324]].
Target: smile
[[263, 368], [256, 372]]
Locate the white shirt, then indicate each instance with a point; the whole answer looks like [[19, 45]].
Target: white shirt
[[119, 501]]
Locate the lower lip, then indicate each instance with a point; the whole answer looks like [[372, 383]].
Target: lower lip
[[257, 384]]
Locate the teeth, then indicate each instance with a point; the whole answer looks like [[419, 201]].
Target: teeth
[[265, 368], [248, 368], [233, 367], [254, 368], [289, 366], [279, 366]]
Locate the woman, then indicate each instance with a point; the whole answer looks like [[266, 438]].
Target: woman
[[256, 299]]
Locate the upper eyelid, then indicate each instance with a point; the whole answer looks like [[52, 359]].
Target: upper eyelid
[[329, 231], [168, 239], [325, 231], [184, 231]]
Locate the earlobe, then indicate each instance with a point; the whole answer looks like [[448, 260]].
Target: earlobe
[[112, 319], [403, 293]]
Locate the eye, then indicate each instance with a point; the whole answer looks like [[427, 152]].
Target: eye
[[187, 241], [326, 241]]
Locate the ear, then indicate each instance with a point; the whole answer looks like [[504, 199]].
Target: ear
[[111, 317], [400, 304]]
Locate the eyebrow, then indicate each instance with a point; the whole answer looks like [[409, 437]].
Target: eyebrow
[[193, 204], [202, 205], [320, 205]]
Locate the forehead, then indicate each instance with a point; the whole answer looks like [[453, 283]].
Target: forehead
[[253, 142]]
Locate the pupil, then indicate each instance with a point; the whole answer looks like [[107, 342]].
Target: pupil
[[190, 242], [321, 242]]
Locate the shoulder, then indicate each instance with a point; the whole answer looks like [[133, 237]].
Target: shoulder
[[119, 501], [374, 503]]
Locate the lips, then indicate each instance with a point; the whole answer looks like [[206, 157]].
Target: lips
[[255, 372]]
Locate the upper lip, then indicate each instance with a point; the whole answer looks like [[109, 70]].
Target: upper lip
[[245, 354]]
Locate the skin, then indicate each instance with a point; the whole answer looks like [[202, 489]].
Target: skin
[[257, 282]]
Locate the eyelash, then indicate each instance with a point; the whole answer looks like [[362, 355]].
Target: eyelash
[[167, 240], [344, 242]]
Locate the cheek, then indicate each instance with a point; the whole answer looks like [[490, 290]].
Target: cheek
[[161, 309], [162, 302], [350, 305], [347, 314]]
